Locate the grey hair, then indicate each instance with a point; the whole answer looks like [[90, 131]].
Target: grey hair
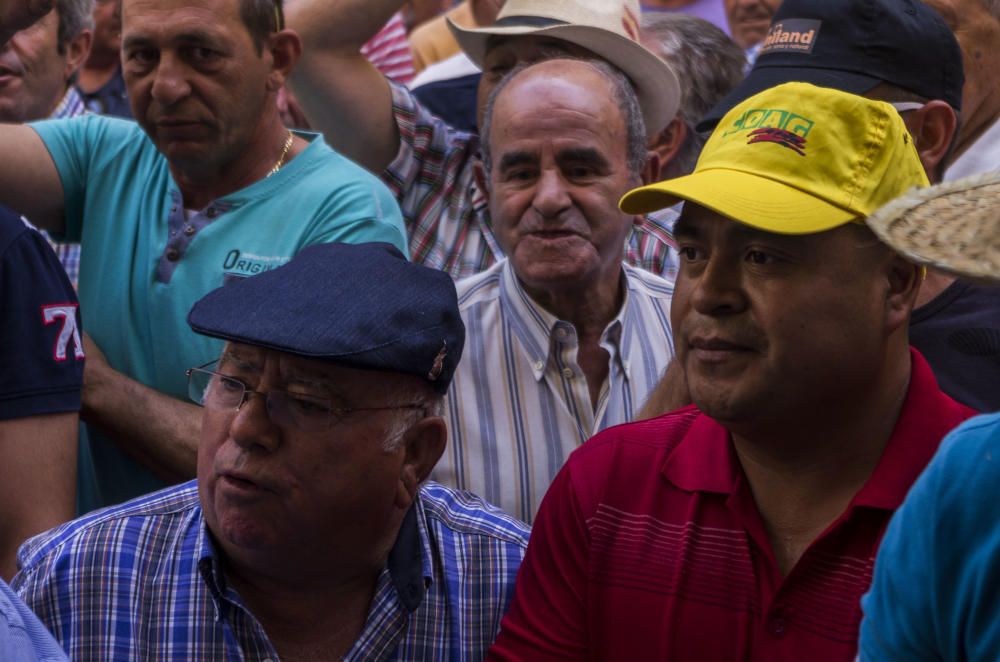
[[75, 16], [621, 90], [708, 65], [430, 404]]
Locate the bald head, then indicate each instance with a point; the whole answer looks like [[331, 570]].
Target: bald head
[[588, 87]]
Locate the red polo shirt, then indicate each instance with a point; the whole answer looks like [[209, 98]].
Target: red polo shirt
[[648, 546]]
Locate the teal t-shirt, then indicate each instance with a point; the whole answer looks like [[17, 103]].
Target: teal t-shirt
[[145, 261]]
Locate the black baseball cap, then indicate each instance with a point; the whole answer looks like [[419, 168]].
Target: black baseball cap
[[853, 46]]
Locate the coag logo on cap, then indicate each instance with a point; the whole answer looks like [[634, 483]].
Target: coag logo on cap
[[792, 35], [771, 118]]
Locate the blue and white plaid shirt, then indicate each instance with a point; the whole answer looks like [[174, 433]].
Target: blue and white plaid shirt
[[142, 581]]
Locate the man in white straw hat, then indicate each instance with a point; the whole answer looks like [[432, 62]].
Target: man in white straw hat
[[431, 167], [933, 596]]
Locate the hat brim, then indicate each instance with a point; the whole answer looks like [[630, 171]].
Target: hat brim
[[750, 199], [655, 82], [766, 77], [953, 227]]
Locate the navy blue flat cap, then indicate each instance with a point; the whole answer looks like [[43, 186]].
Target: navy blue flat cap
[[853, 46], [358, 305]]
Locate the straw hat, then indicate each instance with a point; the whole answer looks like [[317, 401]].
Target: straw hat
[[608, 28], [954, 226]]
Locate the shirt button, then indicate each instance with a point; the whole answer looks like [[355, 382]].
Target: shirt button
[[212, 212], [538, 365], [778, 627], [568, 373], [560, 333], [173, 254], [189, 230]]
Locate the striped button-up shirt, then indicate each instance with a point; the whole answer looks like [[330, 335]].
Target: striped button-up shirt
[[68, 253], [446, 213], [142, 581], [519, 402]]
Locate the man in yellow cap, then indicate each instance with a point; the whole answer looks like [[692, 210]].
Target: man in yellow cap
[[745, 526]]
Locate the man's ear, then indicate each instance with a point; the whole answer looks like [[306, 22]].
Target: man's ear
[[933, 129], [423, 444], [77, 50], [285, 48], [651, 171], [479, 172], [667, 143], [904, 283]]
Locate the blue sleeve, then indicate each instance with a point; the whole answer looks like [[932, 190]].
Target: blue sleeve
[[23, 638], [934, 592], [41, 346], [77, 146]]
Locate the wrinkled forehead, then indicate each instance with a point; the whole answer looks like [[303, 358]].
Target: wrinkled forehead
[[166, 13]]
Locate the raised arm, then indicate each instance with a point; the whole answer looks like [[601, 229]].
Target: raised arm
[[29, 181], [341, 93]]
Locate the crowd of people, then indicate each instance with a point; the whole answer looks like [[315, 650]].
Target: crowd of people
[[508, 330]]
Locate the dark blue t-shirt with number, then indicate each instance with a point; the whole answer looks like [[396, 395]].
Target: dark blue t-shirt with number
[[41, 341]]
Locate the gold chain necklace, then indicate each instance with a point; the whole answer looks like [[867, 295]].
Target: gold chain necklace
[[284, 153]]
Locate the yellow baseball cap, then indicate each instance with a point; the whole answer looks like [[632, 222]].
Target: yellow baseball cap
[[796, 159]]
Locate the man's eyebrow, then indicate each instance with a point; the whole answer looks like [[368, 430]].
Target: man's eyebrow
[[196, 36], [233, 356], [132, 41], [193, 36], [518, 158], [582, 155], [685, 228]]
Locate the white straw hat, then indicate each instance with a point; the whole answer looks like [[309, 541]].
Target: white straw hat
[[608, 28], [954, 226]]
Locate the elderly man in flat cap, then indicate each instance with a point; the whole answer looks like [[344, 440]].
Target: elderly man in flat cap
[[307, 534], [745, 526], [934, 592]]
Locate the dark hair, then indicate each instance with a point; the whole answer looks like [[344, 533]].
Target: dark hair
[[621, 90], [262, 17]]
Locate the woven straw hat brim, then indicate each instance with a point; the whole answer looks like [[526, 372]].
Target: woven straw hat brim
[[656, 84], [954, 226]]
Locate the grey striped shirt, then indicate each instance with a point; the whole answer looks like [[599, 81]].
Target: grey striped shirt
[[519, 402]]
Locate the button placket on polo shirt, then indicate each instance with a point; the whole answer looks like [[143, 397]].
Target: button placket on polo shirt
[[182, 232]]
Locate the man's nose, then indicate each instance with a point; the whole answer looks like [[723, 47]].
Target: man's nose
[[252, 425], [718, 288], [170, 84], [551, 194]]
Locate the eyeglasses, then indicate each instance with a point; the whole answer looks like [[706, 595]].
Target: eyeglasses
[[220, 392]]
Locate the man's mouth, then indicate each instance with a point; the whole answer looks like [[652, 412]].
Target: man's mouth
[[243, 482], [716, 349]]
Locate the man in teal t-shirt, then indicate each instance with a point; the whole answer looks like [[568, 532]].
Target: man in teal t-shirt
[[212, 187]]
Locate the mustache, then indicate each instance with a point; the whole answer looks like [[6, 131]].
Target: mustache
[[737, 333]]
